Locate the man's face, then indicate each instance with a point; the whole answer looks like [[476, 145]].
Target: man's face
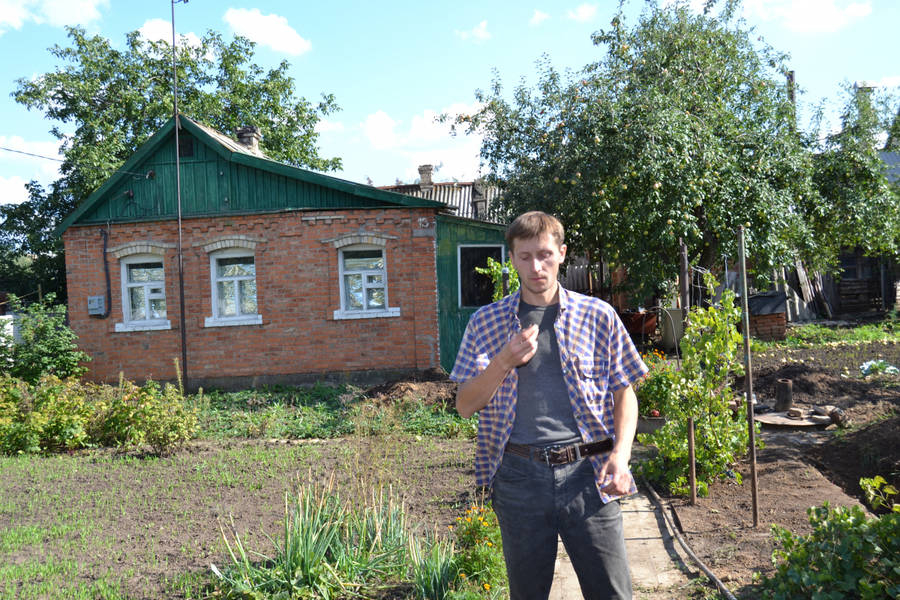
[[537, 260]]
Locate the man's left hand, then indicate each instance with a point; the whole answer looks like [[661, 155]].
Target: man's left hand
[[614, 475]]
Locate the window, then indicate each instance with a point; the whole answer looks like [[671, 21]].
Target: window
[[476, 289], [185, 146], [233, 274], [363, 284], [143, 294]]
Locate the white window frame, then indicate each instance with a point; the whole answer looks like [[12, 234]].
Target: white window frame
[[459, 274], [364, 313], [241, 319], [127, 323]]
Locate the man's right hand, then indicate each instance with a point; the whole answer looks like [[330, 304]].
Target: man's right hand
[[521, 347], [475, 394]]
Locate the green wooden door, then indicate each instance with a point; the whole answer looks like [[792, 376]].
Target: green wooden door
[[462, 244]]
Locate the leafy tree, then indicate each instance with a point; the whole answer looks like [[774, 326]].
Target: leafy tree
[[47, 345], [106, 101], [860, 208], [682, 129]]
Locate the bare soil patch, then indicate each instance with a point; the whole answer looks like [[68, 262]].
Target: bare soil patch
[[799, 468]]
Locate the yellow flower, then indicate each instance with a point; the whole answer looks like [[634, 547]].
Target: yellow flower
[[463, 575], [487, 586], [450, 527], [490, 544], [468, 519]]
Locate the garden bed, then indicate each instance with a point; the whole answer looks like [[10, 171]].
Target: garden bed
[[800, 468], [149, 527]]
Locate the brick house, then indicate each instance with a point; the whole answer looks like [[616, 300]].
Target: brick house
[[289, 276]]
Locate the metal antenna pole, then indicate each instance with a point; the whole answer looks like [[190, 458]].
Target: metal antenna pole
[[748, 375], [183, 321]]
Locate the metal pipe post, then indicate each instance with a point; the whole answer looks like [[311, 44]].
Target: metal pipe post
[[748, 375]]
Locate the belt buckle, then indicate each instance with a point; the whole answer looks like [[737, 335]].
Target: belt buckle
[[544, 455]]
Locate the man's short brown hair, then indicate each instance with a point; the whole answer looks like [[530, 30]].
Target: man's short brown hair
[[534, 224]]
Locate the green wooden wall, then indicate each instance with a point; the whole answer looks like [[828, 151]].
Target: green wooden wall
[[451, 233]]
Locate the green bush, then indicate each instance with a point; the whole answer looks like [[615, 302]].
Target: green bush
[[47, 346], [700, 389], [847, 555], [53, 415], [163, 417]]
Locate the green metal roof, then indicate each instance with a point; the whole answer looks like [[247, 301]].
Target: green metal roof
[[223, 178]]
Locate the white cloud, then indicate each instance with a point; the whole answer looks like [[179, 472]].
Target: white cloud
[[267, 30], [809, 16], [15, 13], [69, 12], [19, 168], [888, 81], [583, 13], [426, 141], [538, 17], [456, 159], [379, 129], [161, 30], [479, 33], [12, 190]]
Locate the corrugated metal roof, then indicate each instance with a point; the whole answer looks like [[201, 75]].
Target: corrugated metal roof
[[460, 195]]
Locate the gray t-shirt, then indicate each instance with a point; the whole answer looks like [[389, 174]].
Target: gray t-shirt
[[543, 412]]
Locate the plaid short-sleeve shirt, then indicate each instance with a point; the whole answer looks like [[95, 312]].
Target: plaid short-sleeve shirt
[[597, 358]]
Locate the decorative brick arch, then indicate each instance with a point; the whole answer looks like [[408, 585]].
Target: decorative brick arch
[[230, 241], [141, 247], [360, 237]]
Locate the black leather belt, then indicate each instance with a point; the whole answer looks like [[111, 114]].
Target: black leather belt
[[559, 455]]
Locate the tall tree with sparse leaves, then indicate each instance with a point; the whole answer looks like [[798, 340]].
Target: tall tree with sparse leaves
[[106, 101]]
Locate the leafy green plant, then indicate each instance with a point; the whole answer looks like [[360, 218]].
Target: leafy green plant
[[701, 389], [47, 345], [879, 493], [656, 390], [438, 421], [495, 271], [479, 551], [847, 555]]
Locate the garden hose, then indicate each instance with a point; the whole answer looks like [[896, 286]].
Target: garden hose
[[658, 502]]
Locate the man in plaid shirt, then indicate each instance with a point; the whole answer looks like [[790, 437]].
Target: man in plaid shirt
[[551, 373]]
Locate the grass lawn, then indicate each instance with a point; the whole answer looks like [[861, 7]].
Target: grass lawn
[[125, 524]]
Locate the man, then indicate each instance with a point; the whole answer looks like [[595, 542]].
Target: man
[[551, 372]]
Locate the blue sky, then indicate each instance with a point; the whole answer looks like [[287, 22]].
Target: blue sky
[[393, 65]]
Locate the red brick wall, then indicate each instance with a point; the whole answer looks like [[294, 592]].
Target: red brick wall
[[768, 327], [297, 293]]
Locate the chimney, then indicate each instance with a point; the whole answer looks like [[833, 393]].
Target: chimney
[[425, 183], [249, 137]]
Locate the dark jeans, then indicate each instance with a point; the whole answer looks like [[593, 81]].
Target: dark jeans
[[535, 503]]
